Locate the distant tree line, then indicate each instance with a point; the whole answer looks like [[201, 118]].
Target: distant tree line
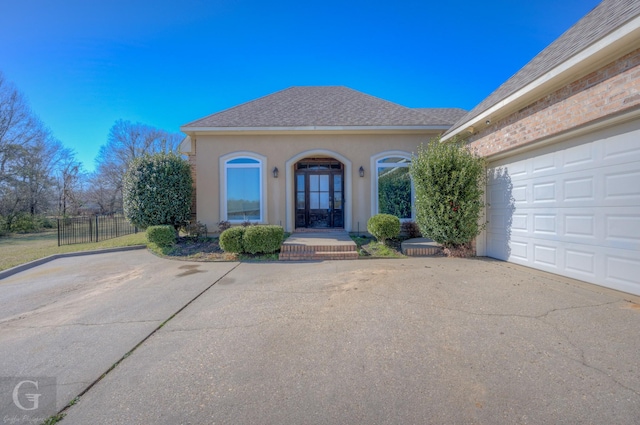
[[40, 177]]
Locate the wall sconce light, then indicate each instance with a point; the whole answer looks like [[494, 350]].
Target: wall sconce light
[[275, 172], [361, 170]]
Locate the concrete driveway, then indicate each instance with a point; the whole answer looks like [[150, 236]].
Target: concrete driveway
[[73, 318], [430, 340]]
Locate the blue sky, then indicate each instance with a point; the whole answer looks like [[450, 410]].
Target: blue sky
[[83, 64]]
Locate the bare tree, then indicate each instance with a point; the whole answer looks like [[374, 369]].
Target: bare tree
[[126, 142], [28, 157], [69, 183], [16, 122]]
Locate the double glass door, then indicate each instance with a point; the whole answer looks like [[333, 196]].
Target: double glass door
[[319, 197]]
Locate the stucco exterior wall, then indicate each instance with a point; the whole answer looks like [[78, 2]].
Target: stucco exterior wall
[[609, 90], [280, 149]]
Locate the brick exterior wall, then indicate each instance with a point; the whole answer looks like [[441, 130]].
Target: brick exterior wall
[[611, 89]]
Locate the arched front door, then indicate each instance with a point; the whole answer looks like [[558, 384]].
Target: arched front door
[[319, 187]]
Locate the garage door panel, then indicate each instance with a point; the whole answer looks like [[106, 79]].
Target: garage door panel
[[545, 224], [606, 227], [579, 225], [579, 189], [580, 261], [573, 209], [623, 269], [581, 156], [545, 163], [544, 254], [623, 229], [622, 186], [621, 148]]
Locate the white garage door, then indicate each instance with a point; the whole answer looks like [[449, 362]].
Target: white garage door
[[572, 208]]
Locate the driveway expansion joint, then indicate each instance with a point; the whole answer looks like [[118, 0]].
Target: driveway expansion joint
[[153, 332]]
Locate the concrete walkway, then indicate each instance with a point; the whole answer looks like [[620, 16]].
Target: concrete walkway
[[415, 340]]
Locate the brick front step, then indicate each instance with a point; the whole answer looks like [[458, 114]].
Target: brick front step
[[423, 252], [318, 255], [318, 248], [421, 247]]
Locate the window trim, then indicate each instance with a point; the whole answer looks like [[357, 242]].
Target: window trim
[[374, 164], [224, 166]]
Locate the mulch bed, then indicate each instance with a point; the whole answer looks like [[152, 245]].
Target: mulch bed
[[204, 249]]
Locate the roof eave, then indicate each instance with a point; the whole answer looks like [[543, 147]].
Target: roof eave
[[623, 40], [314, 129]]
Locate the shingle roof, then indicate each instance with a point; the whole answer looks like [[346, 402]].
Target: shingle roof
[[448, 115], [602, 20], [319, 106]]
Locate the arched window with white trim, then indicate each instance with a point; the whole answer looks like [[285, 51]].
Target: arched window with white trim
[[394, 190], [242, 198]]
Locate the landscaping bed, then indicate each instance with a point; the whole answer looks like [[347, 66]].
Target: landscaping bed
[[369, 247], [205, 249]]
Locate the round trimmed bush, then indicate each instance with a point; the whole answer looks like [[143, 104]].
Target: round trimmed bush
[[231, 239], [384, 226], [263, 239], [157, 190], [163, 236]]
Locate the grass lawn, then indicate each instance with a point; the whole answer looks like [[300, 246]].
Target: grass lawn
[[19, 249]]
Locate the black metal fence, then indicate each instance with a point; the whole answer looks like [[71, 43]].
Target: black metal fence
[[92, 229]]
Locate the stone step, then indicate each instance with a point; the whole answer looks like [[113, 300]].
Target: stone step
[[319, 248], [423, 252], [421, 247], [318, 255]]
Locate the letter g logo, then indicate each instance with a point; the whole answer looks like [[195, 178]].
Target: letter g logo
[[33, 398]]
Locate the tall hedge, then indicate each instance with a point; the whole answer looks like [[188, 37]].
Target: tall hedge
[[157, 190], [449, 183]]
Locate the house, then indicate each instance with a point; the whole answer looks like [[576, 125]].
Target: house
[[562, 139], [309, 158]]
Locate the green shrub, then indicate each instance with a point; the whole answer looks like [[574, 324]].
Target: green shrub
[[163, 236], [231, 240], [48, 223], [24, 223], [3, 226], [384, 226], [449, 181], [262, 239], [157, 190]]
